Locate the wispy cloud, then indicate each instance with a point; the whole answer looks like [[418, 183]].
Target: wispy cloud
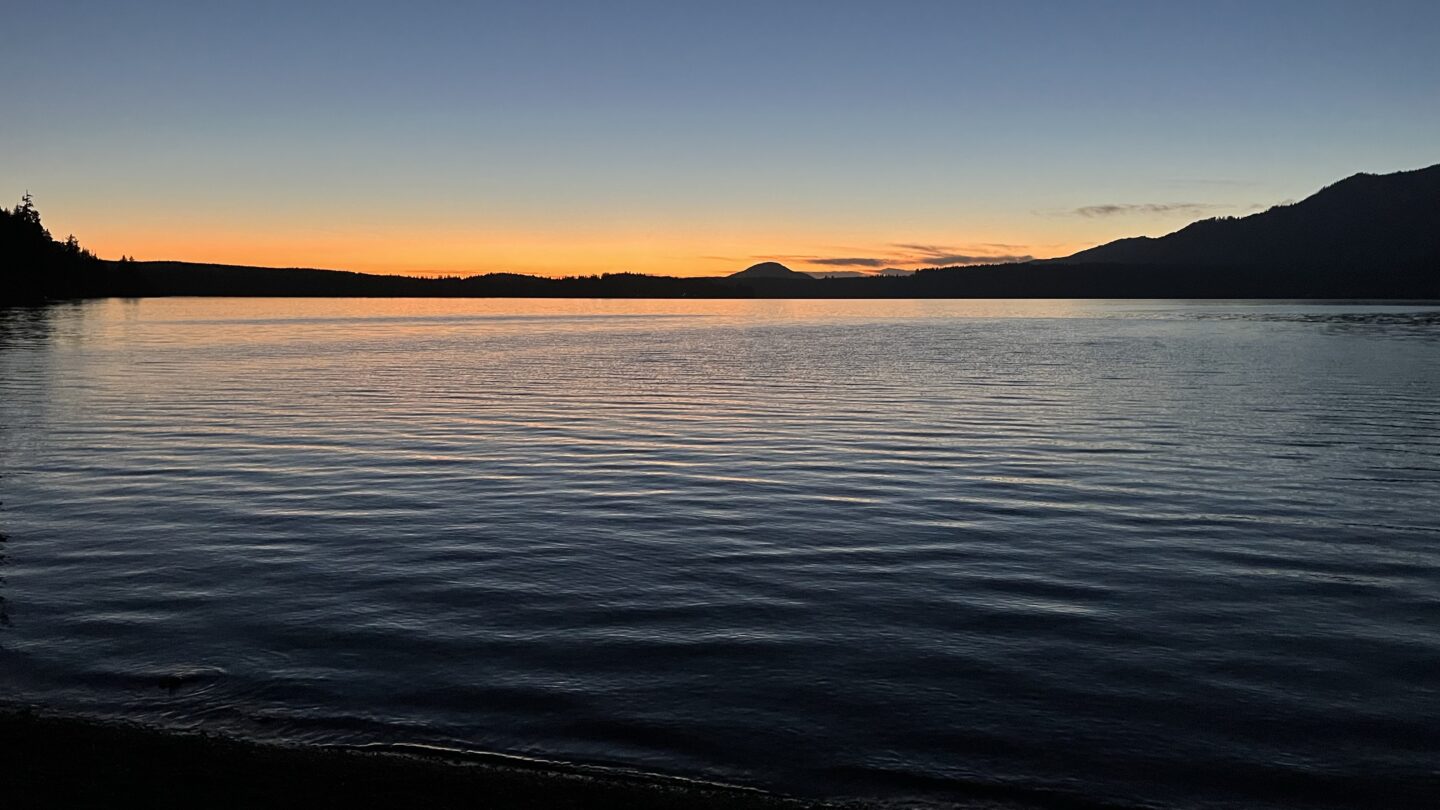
[[984, 253], [976, 258], [849, 261], [911, 254], [918, 248], [1119, 209]]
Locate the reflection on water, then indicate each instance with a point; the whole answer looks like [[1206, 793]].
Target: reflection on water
[[4, 611], [1376, 321], [1182, 554]]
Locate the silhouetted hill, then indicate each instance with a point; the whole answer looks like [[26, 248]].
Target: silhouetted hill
[[1368, 236], [35, 267], [1363, 223], [774, 270]]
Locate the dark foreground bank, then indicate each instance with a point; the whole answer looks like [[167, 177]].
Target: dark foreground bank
[[68, 762], [52, 761]]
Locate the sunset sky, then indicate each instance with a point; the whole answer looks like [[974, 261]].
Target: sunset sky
[[692, 138]]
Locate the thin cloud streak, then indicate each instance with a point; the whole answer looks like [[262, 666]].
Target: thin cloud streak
[[850, 262], [947, 259], [941, 255], [1117, 209], [912, 255]]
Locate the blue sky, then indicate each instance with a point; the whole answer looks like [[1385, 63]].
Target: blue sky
[[692, 137]]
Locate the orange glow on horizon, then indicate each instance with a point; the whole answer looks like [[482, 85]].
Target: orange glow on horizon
[[543, 254]]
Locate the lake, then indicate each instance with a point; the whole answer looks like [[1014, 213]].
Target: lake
[[1130, 552]]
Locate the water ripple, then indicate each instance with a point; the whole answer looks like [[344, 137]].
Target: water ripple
[[1140, 552]]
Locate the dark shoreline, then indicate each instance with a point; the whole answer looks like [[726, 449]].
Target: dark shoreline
[[1051, 279], [57, 760], [53, 760]]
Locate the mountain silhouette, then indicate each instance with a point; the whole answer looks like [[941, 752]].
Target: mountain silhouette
[[1363, 222], [771, 270], [1367, 236]]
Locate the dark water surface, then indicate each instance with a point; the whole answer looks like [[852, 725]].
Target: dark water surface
[[1141, 552]]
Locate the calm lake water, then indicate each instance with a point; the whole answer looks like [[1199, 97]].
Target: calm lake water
[[1131, 552]]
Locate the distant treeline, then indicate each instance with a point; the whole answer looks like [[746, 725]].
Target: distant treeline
[[94, 278], [181, 278], [37, 267]]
